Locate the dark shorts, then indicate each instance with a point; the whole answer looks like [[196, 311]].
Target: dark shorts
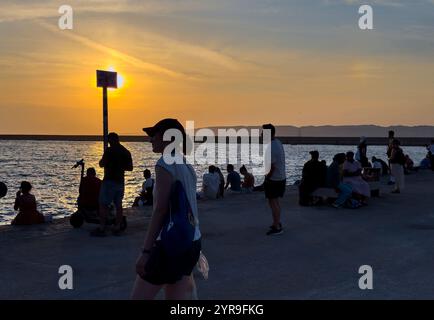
[[162, 269], [111, 192], [274, 189]]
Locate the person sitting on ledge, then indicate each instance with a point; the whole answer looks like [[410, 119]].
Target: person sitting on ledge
[[233, 179], [89, 191], [426, 162], [210, 183], [334, 180], [25, 202], [146, 195], [313, 177], [249, 180], [409, 165], [353, 176], [382, 165]]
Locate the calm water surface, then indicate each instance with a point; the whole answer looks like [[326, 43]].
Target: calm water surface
[[48, 166]]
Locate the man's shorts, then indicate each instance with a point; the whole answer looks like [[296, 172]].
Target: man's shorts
[[274, 189], [111, 191]]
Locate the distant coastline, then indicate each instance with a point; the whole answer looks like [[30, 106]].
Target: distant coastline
[[405, 141]]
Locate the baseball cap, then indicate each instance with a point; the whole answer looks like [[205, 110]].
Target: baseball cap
[[163, 125]]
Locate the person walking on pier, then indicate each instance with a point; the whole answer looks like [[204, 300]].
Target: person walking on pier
[[172, 244]]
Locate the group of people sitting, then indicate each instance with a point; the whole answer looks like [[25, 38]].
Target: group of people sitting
[[349, 177], [214, 186]]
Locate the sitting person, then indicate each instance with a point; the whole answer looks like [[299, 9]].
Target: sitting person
[[353, 176], [25, 202], [334, 180], [210, 184], [249, 180], [313, 177], [426, 162], [222, 183], [380, 164], [233, 180], [146, 195], [90, 186], [409, 164]]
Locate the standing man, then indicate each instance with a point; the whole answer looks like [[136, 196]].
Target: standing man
[[115, 161], [275, 180], [391, 137]]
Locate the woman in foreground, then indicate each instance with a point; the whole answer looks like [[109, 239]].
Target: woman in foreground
[[157, 268]]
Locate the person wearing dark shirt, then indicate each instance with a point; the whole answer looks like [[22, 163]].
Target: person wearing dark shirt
[[313, 177], [222, 183], [397, 162], [89, 191], [115, 161], [361, 153], [25, 203], [233, 179]]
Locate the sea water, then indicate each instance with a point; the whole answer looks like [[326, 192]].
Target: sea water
[[47, 165]]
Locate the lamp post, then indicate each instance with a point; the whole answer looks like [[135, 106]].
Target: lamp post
[[104, 80]]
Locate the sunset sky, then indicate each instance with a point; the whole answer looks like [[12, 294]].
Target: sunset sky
[[217, 62]]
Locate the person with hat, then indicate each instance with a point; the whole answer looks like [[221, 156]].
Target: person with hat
[[115, 161], [156, 266], [313, 177]]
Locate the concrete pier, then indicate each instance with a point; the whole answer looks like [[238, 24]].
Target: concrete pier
[[317, 257]]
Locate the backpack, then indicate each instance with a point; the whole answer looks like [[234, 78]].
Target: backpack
[[178, 229]]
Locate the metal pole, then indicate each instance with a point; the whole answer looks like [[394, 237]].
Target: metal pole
[[105, 116]]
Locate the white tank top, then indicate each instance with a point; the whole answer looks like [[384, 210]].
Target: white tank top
[[187, 176]]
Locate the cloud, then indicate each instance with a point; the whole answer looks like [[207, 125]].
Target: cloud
[[135, 62]]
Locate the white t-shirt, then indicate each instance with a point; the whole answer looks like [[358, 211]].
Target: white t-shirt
[[187, 176], [278, 160], [210, 185]]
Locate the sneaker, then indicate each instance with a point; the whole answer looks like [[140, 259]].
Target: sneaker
[[275, 231], [271, 227]]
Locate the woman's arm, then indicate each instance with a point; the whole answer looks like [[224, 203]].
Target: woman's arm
[[163, 188], [161, 208]]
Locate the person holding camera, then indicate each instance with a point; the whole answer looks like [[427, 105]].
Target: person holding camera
[[25, 203]]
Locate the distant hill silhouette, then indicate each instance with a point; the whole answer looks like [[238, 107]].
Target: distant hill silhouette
[[347, 131]]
